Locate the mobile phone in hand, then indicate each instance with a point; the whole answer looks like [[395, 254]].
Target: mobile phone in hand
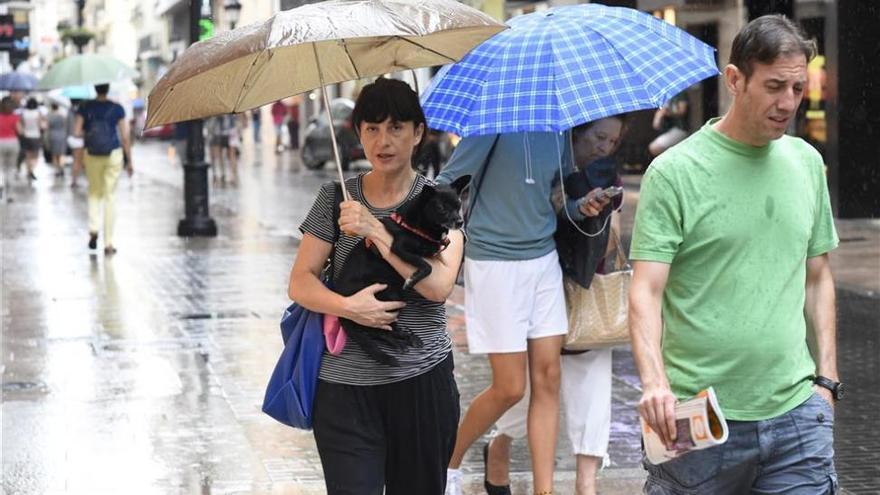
[[611, 192], [607, 193], [602, 195]]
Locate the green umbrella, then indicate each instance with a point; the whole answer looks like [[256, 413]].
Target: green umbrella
[[86, 69]]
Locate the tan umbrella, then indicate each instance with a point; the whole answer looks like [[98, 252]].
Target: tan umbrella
[[311, 46]]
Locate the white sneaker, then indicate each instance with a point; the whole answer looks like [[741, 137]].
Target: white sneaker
[[453, 481]]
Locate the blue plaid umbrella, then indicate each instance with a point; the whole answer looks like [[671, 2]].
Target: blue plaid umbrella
[[18, 81], [558, 68]]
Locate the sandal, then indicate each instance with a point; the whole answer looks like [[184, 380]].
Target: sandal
[[490, 488]]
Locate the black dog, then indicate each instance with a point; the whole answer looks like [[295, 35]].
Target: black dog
[[419, 228]]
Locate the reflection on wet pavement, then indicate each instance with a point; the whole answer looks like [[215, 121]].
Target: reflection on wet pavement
[[144, 372]]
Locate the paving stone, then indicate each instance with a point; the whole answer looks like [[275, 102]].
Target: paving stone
[[144, 372]]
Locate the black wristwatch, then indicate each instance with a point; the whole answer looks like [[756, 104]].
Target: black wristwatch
[[837, 389]]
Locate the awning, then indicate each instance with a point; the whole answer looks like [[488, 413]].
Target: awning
[[165, 6]]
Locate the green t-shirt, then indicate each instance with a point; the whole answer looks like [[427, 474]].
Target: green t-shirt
[[736, 223]]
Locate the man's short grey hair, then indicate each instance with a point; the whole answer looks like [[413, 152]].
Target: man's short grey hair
[[767, 38]]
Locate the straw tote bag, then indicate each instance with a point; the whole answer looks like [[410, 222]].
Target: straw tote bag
[[597, 317]]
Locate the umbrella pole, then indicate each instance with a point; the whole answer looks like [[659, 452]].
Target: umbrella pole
[[415, 82], [332, 128]]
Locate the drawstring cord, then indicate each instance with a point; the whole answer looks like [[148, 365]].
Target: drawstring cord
[[528, 147]]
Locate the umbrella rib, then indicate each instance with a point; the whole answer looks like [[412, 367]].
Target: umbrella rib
[[622, 57], [423, 47], [246, 78], [353, 65]]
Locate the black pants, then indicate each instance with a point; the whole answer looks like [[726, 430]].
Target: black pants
[[293, 131], [399, 435]]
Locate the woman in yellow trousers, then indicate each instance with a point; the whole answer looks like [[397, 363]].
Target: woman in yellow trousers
[[104, 129]]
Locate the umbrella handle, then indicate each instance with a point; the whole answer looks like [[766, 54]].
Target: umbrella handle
[[345, 195]]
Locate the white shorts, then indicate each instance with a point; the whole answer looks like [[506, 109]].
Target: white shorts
[[586, 396], [508, 303], [669, 138]]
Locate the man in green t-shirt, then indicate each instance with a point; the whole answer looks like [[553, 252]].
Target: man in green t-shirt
[[730, 272]]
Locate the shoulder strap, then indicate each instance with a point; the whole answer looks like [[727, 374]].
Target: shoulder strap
[[337, 200], [479, 184]]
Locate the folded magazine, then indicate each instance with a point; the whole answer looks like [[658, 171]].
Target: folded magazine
[[699, 423]]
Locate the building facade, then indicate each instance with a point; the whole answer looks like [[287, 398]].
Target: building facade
[[839, 116]]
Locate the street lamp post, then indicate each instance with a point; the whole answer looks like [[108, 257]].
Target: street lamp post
[[233, 12], [80, 5], [196, 222]]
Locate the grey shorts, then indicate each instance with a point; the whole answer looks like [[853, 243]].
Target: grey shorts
[[220, 141], [32, 144], [791, 454]]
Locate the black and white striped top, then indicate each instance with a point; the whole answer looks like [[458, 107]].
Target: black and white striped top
[[426, 318]]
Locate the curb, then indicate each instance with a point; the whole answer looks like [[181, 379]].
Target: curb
[[611, 481]]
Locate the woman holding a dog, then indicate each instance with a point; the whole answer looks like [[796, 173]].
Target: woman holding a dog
[[379, 426]]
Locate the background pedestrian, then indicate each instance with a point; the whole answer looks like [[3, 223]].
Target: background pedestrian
[[33, 123], [279, 112], [221, 131], [57, 137], [672, 121], [257, 124], [104, 129], [74, 144], [293, 124], [10, 129]]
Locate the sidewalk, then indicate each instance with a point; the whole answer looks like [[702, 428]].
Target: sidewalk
[[144, 372]]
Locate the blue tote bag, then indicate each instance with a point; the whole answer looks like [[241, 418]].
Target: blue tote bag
[[290, 394], [291, 390]]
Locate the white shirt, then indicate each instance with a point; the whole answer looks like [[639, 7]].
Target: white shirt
[[30, 121]]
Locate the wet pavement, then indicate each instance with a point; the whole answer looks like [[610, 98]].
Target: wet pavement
[[144, 372]]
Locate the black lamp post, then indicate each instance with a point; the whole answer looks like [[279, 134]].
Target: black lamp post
[[196, 222], [233, 12], [80, 5]]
